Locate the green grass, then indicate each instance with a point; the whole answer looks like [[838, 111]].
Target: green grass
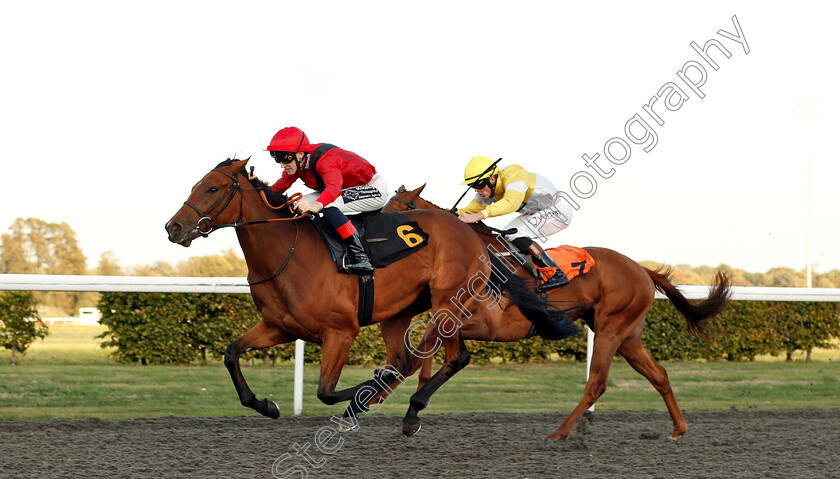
[[68, 375], [67, 344]]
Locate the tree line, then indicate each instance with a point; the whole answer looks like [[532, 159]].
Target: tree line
[[34, 246]]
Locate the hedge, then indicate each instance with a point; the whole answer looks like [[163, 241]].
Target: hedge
[[154, 328]]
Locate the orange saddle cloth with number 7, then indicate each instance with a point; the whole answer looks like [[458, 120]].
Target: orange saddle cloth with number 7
[[572, 260]]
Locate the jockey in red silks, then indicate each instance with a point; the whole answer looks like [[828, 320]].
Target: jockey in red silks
[[344, 184]]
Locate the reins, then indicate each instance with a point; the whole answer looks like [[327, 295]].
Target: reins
[[227, 197], [285, 262], [232, 189], [412, 205]]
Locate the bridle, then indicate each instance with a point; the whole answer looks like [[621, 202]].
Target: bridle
[[412, 205], [226, 198]]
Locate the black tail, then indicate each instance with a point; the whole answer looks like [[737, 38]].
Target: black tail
[[696, 315], [550, 323]]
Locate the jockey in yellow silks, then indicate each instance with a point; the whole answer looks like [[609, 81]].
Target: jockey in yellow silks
[[512, 189]]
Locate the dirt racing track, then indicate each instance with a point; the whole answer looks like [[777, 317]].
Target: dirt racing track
[[609, 444]]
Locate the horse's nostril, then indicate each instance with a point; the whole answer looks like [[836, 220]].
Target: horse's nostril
[[173, 227]]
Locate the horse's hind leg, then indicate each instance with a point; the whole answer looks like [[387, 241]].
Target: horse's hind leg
[[425, 372], [638, 357], [260, 336]]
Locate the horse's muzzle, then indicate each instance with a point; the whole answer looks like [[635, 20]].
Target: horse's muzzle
[[177, 234]]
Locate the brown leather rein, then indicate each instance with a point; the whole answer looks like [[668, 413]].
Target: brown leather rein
[[227, 197]]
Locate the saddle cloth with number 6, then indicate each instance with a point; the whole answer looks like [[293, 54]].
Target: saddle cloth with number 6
[[390, 237], [387, 238]]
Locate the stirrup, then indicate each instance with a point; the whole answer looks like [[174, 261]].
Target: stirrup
[[358, 266], [559, 279]]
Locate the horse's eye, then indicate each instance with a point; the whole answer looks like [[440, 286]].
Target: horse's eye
[[213, 189]]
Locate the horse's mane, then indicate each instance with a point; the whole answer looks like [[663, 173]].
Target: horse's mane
[[274, 198], [480, 226], [427, 201]]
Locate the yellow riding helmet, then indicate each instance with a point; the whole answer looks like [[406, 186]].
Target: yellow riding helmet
[[478, 168]]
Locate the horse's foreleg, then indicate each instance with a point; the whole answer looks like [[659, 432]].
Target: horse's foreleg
[[602, 354], [644, 364], [400, 361], [386, 379], [335, 350], [260, 336], [456, 358]]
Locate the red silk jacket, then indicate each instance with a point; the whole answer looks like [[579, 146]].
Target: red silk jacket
[[329, 172]]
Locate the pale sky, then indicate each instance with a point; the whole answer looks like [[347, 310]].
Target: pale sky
[[111, 111]]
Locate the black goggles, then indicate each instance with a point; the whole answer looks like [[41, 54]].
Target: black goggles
[[283, 157], [480, 184]]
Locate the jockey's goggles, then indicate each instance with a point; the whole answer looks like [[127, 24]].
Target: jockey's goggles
[[283, 157], [480, 184]]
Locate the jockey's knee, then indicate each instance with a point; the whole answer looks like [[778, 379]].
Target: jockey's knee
[[523, 243]]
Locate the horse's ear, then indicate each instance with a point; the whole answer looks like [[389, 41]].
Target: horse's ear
[[236, 166], [400, 189], [413, 194]]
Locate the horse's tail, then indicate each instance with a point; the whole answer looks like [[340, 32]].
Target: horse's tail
[[550, 323], [696, 315]]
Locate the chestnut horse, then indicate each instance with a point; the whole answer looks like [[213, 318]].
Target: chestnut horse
[[300, 295], [613, 299]]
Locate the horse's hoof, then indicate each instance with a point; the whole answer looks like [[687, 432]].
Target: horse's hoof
[[679, 430], [555, 437], [352, 428], [411, 429], [270, 409]]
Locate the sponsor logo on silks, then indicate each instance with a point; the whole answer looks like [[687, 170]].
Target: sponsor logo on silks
[[540, 219], [359, 193], [411, 239]]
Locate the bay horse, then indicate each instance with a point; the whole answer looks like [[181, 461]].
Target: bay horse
[[296, 287], [613, 299]]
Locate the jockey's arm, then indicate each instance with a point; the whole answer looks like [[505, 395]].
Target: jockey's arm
[[331, 173], [473, 207], [509, 203], [283, 183]]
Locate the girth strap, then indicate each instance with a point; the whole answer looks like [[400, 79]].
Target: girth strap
[[365, 299]]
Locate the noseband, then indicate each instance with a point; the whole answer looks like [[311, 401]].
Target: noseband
[[227, 197]]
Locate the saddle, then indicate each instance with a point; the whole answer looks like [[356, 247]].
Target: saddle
[[572, 260], [386, 237]]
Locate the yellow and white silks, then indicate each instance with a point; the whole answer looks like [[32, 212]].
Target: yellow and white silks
[[542, 212]]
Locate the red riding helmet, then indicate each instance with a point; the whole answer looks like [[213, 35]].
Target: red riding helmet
[[290, 139]]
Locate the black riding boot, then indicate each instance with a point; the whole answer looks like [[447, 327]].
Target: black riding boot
[[357, 260], [543, 260]]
